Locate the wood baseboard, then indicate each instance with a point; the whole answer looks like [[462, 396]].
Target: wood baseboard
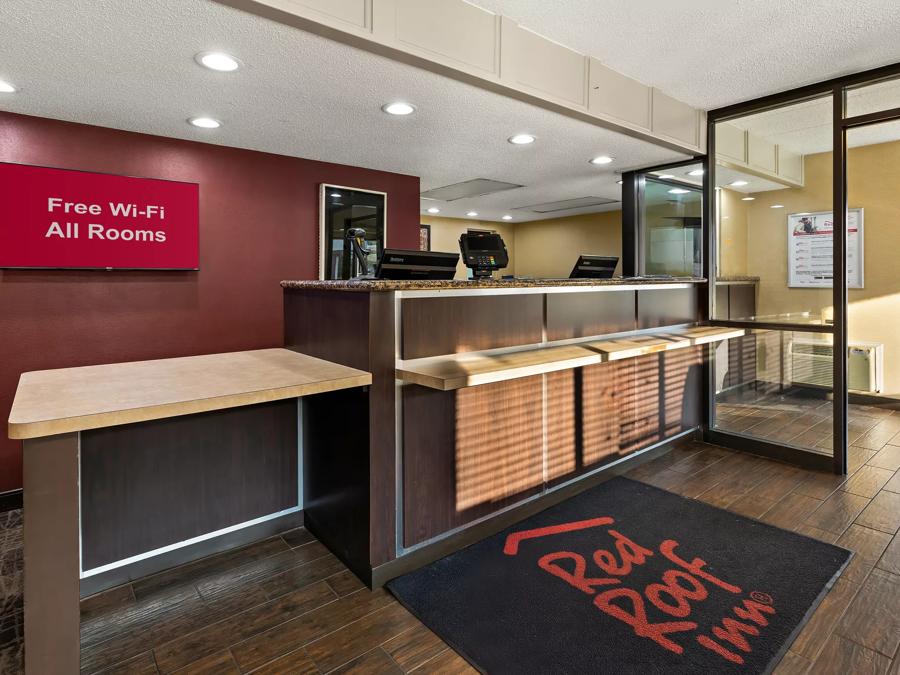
[[10, 500]]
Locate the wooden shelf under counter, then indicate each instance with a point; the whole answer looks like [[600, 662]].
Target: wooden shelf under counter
[[468, 370], [458, 371]]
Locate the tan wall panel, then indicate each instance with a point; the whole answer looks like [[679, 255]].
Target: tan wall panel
[[675, 119], [549, 68], [445, 237], [353, 12], [873, 172], [731, 142], [450, 29], [732, 233], [611, 94], [549, 248], [790, 165], [760, 153]]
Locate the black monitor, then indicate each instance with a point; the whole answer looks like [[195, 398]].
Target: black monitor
[[483, 252], [594, 267], [397, 263]]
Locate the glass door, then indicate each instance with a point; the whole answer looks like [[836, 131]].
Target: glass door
[[872, 161], [772, 275]]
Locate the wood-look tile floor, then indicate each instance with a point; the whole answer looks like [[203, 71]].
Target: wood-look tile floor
[[287, 605]]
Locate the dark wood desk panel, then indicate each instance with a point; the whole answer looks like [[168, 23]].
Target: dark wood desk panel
[[602, 410], [435, 326], [741, 301], [468, 453], [666, 307], [575, 315], [683, 389], [640, 409], [722, 309], [357, 329], [328, 325], [564, 443], [152, 484]]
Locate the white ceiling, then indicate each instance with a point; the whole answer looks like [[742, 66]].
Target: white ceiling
[[807, 127], [712, 53], [129, 65]]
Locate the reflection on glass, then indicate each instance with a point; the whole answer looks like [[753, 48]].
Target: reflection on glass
[[343, 209], [873, 312], [672, 217], [774, 218], [871, 98], [776, 386]]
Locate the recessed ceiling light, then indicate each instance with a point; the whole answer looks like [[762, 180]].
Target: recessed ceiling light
[[472, 214], [777, 206], [664, 176], [678, 191], [6, 88], [205, 122], [739, 183], [507, 217], [747, 199], [399, 108], [217, 61], [434, 209], [695, 172], [521, 139], [602, 159]]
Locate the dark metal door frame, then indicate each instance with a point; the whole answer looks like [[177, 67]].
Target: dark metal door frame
[[837, 89]]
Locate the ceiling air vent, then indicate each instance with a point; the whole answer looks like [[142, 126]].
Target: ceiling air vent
[[477, 187], [567, 204]]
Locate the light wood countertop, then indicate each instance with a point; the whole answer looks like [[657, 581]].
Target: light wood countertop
[[75, 399], [467, 370]]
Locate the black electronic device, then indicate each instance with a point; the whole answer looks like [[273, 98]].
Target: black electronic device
[[594, 267], [483, 252], [397, 263]]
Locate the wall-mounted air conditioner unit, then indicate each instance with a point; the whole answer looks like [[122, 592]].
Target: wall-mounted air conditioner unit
[[811, 363]]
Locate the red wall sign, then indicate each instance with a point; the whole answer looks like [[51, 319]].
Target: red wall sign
[[76, 219]]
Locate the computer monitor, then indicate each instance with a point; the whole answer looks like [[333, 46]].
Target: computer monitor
[[594, 267], [397, 263]]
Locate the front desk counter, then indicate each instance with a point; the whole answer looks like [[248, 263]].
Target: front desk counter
[[489, 399], [132, 468]]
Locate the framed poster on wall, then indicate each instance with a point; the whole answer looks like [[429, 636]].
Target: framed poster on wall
[[810, 249]]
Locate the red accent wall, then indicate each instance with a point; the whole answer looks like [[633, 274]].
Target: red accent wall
[[258, 225]]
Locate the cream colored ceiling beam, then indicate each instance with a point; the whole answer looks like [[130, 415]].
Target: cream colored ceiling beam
[[460, 40]]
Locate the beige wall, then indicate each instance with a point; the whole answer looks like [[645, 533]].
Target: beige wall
[[549, 248], [873, 177], [445, 234], [767, 241], [541, 248], [732, 234]]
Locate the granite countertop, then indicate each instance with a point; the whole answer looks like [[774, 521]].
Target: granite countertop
[[737, 279], [366, 285]]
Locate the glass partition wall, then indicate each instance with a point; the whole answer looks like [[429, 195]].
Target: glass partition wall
[[802, 205]]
